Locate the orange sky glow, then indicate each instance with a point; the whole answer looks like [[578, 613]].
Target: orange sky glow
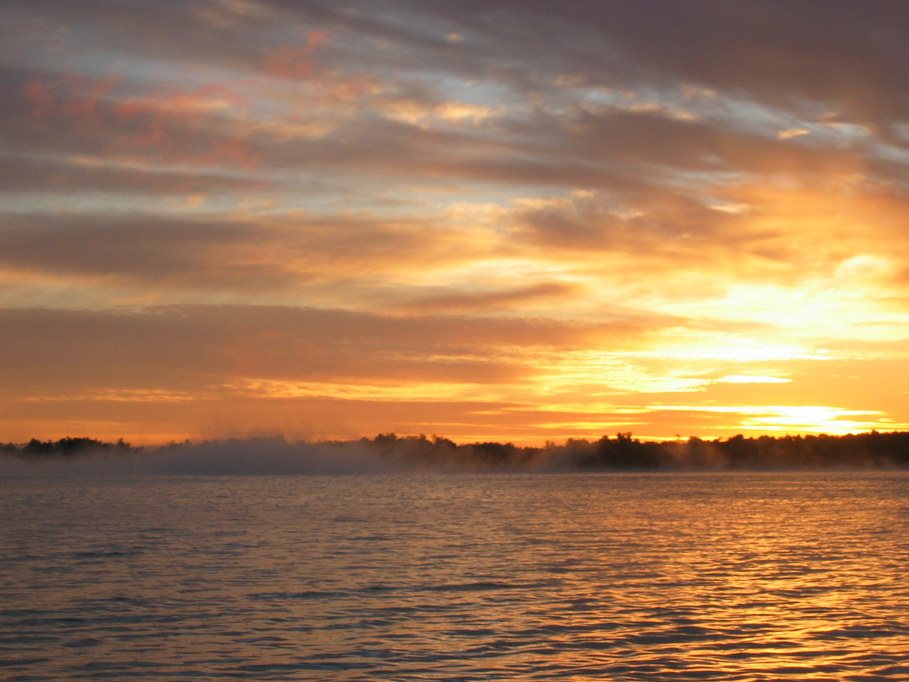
[[499, 220]]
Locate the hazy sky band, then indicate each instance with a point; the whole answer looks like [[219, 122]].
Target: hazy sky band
[[488, 220]]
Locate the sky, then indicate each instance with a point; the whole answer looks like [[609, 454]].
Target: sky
[[511, 220]]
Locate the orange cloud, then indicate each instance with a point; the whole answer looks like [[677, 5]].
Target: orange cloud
[[492, 300], [295, 63], [173, 123], [39, 94], [72, 96], [194, 127]]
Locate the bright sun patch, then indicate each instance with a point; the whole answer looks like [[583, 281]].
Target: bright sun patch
[[750, 379]]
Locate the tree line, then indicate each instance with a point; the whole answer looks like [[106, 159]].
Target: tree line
[[621, 452]]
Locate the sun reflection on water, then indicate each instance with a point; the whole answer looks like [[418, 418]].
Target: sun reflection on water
[[730, 577]]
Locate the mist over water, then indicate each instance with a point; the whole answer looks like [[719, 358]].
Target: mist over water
[[459, 577], [247, 457]]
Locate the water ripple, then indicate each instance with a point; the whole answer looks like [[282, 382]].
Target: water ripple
[[550, 577]]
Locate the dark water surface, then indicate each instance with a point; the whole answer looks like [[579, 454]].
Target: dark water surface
[[481, 577]]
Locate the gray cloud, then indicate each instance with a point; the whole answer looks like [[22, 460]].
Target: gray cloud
[[848, 64], [211, 253], [140, 248], [490, 300], [69, 177], [831, 51]]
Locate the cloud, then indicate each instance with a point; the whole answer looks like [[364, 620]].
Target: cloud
[[491, 300], [227, 253], [752, 379], [75, 174], [599, 221], [178, 347], [145, 249], [295, 63], [227, 370], [770, 50], [792, 132]]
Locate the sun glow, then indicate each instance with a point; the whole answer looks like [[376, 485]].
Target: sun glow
[[793, 418], [813, 418], [689, 344], [619, 371]]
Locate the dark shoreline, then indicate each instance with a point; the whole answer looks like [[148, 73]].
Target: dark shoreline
[[388, 452]]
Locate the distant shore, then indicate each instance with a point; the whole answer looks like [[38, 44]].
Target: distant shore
[[389, 452]]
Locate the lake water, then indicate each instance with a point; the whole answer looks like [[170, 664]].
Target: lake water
[[456, 577]]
